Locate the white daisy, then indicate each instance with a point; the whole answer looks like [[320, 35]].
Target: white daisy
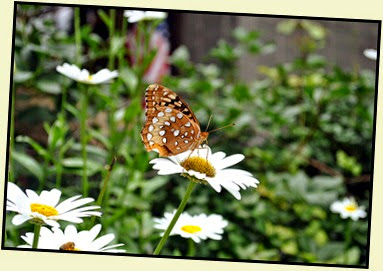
[[139, 15], [371, 54], [348, 208], [198, 227], [70, 239], [45, 208], [83, 76], [213, 170]]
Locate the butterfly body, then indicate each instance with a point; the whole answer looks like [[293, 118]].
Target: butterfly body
[[170, 127]]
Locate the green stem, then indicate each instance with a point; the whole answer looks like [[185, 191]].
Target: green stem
[[63, 101], [84, 140], [191, 251], [77, 33], [121, 55], [103, 189], [59, 171], [12, 135], [347, 240], [175, 218], [112, 15], [36, 235]]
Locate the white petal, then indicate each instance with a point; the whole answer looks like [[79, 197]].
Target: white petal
[[229, 161], [20, 219]]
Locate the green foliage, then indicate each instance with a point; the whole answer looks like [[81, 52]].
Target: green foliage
[[305, 128]]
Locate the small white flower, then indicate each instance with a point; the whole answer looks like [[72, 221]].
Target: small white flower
[[208, 168], [83, 76], [195, 227], [70, 239], [45, 208], [139, 15], [371, 54], [348, 208]]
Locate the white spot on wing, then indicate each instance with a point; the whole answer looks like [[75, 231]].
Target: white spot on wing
[[164, 139], [188, 124], [179, 115], [168, 110], [154, 120], [151, 128], [149, 136], [176, 132], [160, 114], [162, 132], [172, 119], [167, 123]]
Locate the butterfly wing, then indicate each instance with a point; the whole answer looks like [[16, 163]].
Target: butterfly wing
[[170, 126]]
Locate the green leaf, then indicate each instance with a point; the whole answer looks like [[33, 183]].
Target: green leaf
[[129, 78], [22, 76], [315, 30], [29, 163], [36, 146], [287, 26], [104, 17], [49, 86], [116, 44]]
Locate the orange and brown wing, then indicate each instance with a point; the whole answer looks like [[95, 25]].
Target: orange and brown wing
[[170, 126]]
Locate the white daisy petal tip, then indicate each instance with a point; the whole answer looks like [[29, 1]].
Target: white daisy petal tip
[[197, 227], [135, 16], [370, 53], [203, 166], [83, 76], [46, 208], [71, 240], [348, 208]]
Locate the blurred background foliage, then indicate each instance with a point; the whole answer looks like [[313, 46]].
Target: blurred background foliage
[[305, 126]]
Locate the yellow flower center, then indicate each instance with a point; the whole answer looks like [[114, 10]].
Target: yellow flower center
[[351, 207], [90, 77], [69, 246], [199, 164], [191, 228], [44, 209]]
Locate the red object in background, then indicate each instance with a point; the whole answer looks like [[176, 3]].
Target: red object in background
[[160, 64]]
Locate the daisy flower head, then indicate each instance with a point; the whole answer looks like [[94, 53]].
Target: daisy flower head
[[371, 54], [348, 207], [83, 76], [71, 240], [135, 16], [45, 208], [197, 227], [203, 166]]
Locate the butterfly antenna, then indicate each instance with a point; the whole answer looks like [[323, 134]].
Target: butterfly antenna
[[221, 128], [208, 123]]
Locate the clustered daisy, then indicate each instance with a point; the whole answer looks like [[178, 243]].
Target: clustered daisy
[[197, 227], [45, 208], [71, 240], [83, 76], [348, 207], [206, 167]]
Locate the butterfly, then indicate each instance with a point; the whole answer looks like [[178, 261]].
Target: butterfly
[[170, 126]]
